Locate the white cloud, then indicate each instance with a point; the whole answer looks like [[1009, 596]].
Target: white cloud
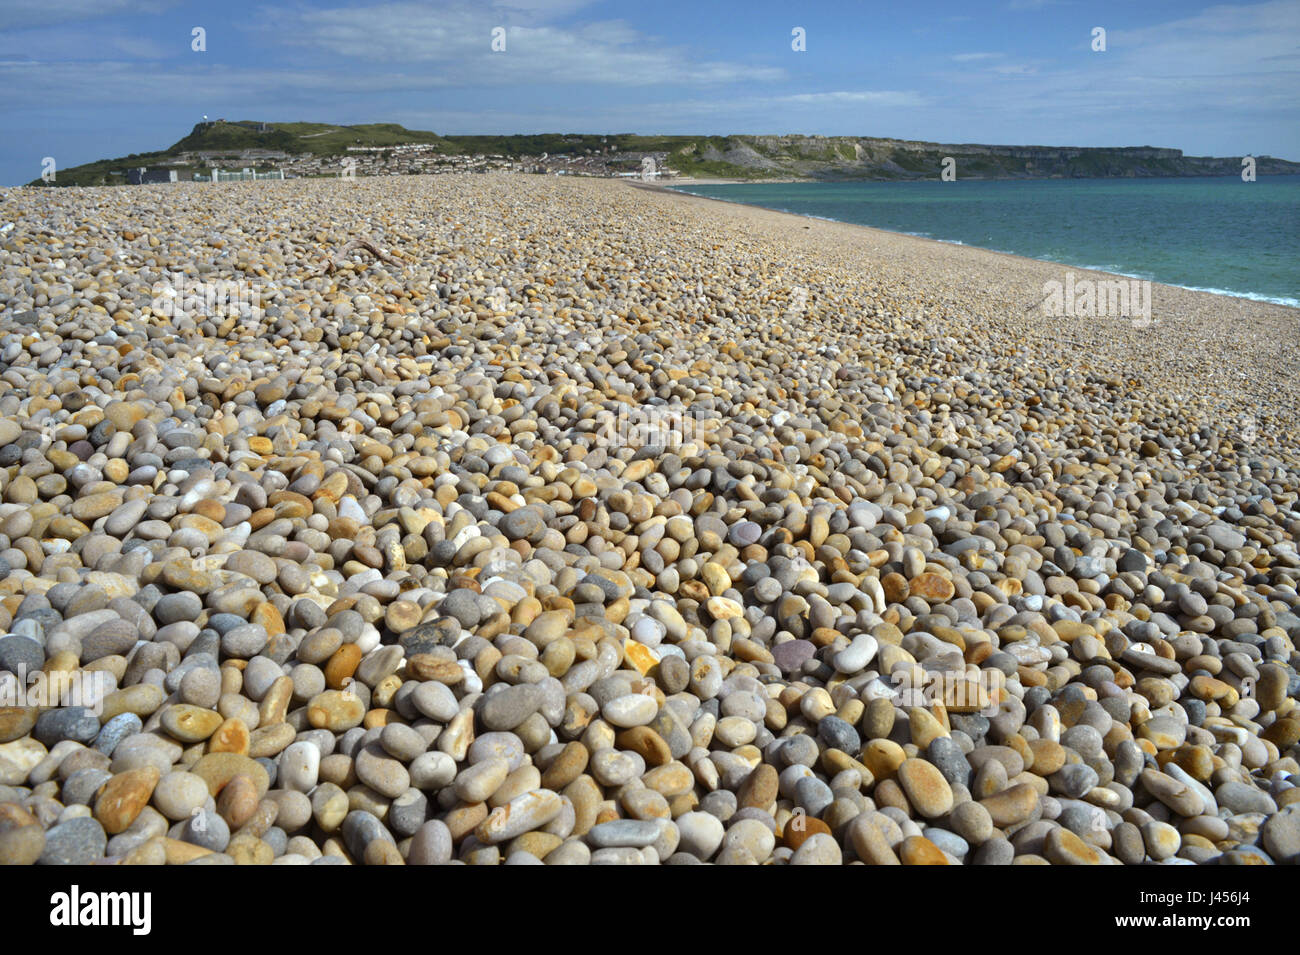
[[1221, 40], [545, 7], [25, 14], [457, 39], [1214, 83], [113, 82], [855, 97], [976, 57], [78, 44]]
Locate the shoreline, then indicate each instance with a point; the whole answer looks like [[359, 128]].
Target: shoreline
[[1219, 355], [950, 242], [714, 181]]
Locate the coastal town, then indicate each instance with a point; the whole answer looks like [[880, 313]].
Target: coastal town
[[399, 160]]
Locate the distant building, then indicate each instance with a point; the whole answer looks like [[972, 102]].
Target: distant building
[[245, 174], [142, 176]]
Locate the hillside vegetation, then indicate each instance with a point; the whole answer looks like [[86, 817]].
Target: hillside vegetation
[[827, 158]]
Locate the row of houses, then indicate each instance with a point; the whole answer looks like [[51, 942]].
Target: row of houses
[[409, 159], [404, 160], [143, 176]]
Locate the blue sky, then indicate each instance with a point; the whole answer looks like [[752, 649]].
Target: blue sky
[[89, 79]]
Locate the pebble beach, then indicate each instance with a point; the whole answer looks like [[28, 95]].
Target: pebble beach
[[506, 519]]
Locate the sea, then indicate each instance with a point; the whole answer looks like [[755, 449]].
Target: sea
[[1212, 234]]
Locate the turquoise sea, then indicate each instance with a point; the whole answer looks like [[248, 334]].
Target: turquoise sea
[[1213, 234]]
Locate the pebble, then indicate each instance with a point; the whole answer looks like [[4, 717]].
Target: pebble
[[818, 849], [1178, 796], [925, 787], [1281, 835], [1241, 798], [115, 730], [382, 773], [431, 844], [399, 580], [299, 766], [123, 796], [634, 833], [78, 841], [510, 707], [701, 834], [179, 793], [747, 841], [22, 845], [1063, 847], [477, 783], [524, 813]]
